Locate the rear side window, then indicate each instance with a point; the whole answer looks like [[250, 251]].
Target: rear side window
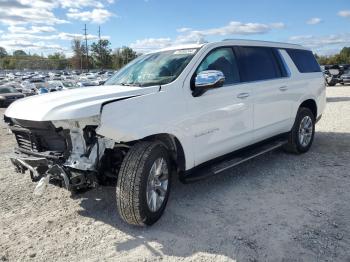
[[304, 60], [259, 63]]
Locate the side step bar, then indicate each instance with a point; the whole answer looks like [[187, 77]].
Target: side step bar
[[232, 160]]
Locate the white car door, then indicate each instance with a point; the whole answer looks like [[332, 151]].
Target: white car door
[[221, 119], [264, 71]]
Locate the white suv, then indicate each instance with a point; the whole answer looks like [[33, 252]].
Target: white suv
[[190, 111]]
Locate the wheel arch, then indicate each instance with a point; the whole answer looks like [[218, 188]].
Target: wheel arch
[[173, 144], [310, 104]]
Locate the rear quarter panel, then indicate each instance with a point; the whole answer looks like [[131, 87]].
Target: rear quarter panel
[[304, 86]]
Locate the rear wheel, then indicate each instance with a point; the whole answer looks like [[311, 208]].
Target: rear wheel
[[302, 134], [144, 183]]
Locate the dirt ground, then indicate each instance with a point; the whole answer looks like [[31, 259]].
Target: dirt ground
[[277, 207]]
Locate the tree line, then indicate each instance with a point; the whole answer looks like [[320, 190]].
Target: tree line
[[97, 56], [343, 57], [101, 56]]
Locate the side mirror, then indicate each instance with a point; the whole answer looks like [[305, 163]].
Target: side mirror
[[206, 80]]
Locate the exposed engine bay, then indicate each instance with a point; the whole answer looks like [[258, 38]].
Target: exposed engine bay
[[67, 153]]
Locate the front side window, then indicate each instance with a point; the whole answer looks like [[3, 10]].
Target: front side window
[[258, 63], [224, 60], [153, 69]]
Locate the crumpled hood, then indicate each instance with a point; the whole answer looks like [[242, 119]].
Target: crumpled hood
[[72, 104]]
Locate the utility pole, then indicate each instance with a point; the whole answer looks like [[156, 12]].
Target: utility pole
[[100, 46], [86, 47]]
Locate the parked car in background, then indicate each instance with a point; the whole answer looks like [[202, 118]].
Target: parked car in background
[[69, 85], [345, 77], [331, 74], [43, 90], [87, 83], [8, 95], [337, 74], [28, 88], [62, 85], [15, 85]]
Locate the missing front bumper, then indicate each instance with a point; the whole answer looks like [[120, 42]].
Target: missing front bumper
[[61, 176]]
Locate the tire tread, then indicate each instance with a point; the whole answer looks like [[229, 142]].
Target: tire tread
[[129, 182]]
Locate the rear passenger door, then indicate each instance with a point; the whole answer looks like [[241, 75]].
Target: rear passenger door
[[263, 70]]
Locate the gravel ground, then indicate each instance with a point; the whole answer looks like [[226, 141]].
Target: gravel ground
[[277, 207]]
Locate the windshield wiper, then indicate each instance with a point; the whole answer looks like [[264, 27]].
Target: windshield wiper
[[130, 84]]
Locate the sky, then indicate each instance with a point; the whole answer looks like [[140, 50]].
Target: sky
[[48, 26]]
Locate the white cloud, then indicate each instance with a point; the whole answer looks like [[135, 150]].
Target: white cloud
[[31, 46], [98, 16], [278, 25], [188, 35], [21, 12], [31, 23], [236, 28], [320, 41], [32, 30], [149, 44], [344, 13], [183, 29], [81, 4], [54, 37], [321, 44], [233, 28], [314, 21], [28, 12], [70, 36]]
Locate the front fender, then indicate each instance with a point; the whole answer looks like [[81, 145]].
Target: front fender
[[139, 117]]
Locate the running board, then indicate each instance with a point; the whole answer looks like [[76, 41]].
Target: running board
[[232, 160]]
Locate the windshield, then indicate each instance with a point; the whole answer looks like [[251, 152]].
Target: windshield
[[8, 89], [68, 84], [153, 69]]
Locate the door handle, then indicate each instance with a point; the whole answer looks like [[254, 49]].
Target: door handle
[[243, 95], [283, 88]]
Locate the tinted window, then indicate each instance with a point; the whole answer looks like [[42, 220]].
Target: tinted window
[[304, 60], [224, 60], [258, 63]]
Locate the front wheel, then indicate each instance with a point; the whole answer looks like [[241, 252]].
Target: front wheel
[[144, 183], [302, 134]]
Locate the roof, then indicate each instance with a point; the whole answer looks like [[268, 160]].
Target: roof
[[262, 43], [177, 47], [243, 42]]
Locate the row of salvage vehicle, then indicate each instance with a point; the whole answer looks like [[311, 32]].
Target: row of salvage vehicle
[[14, 86]]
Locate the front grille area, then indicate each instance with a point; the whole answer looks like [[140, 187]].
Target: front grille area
[[40, 137], [27, 141]]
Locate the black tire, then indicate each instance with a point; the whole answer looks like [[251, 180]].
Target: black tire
[[294, 145], [132, 183]]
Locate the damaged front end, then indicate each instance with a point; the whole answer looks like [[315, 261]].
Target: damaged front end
[[67, 153]]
